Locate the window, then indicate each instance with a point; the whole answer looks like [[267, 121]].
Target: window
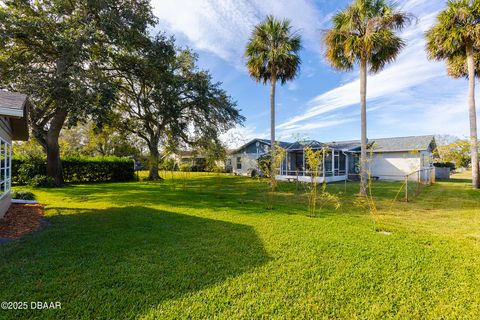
[[239, 163], [5, 167]]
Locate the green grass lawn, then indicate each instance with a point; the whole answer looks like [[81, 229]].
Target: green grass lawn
[[207, 247]]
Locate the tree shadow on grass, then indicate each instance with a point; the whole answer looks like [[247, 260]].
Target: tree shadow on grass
[[120, 262]]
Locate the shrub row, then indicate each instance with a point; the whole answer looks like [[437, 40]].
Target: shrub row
[[75, 169], [445, 165]]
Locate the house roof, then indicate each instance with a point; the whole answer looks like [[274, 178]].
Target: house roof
[[14, 105], [264, 141], [397, 144], [189, 154], [300, 145]]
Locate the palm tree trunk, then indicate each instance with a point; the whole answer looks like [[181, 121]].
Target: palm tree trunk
[[363, 119], [473, 116], [273, 82]]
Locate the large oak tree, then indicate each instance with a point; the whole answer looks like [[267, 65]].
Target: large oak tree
[[167, 101], [56, 52]]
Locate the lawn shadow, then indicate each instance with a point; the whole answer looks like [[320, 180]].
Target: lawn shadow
[[120, 262]]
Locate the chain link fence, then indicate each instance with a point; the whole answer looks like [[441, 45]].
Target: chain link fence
[[416, 182]]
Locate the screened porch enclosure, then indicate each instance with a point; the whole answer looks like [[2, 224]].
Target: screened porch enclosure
[[295, 166]]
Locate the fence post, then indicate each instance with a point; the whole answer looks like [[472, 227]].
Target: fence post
[[406, 188], [296, 185]]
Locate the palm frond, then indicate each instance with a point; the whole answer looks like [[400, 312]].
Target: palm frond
[[273, 51], [456, 27], [365, 30]]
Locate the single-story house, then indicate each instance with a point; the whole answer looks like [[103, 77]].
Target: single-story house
[[389, 158], [13, 126]]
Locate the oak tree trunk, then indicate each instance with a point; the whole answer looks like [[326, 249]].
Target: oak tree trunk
[[363, 120], [54, 164], [472, 116], [154, 160]]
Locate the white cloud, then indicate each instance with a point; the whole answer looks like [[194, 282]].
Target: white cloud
[[410, 87], [239, 135], [222, 27]]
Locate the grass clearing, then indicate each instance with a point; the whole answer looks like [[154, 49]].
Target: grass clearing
[[208, 246]]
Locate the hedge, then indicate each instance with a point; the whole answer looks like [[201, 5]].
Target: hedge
[[445, 165], [76, 169]]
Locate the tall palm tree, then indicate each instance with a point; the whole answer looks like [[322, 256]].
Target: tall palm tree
[[456, 34], [364, 34], [457, 66], [273, 55]]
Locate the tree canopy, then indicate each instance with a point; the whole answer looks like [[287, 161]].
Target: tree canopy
[[365, 31], [55, 51], [456, 37], [272, 51], [166, 100]]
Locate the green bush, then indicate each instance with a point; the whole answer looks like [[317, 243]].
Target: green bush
[[450, 165], [23, 195], [185, 167], [168, 164], [75, 170], [42, 181], [24, 170]]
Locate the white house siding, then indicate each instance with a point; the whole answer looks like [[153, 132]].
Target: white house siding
[[5, 134], [248, 163], [5, 129], [395, 165]]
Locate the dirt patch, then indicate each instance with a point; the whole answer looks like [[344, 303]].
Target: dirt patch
[[20, 220]]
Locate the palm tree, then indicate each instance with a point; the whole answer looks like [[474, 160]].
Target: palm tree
[[456, 34], [364, 34], [457, 66], [272, 55]]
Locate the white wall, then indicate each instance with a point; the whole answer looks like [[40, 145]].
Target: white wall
[[249, 163], [394, 165], [6, 134]]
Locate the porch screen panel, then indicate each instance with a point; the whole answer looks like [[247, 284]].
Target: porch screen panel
[[328, 164], [342, 164]]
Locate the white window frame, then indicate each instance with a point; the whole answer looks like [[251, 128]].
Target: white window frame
[[6, 182]]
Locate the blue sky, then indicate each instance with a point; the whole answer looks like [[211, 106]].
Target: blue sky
[[412, 96]]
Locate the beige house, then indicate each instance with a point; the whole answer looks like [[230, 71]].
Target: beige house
[[13, 126]]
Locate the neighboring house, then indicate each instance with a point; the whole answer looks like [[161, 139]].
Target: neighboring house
[[243, 161], [389, 158], [195, 160], [13, 126]]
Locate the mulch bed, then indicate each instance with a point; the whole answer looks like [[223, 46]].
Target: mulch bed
[[20, 220]]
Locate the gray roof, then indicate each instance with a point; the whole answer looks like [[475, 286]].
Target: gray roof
[[14, 106], [397, 144], [300, 145], [414, 143], [264, 141], [12, 101]]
